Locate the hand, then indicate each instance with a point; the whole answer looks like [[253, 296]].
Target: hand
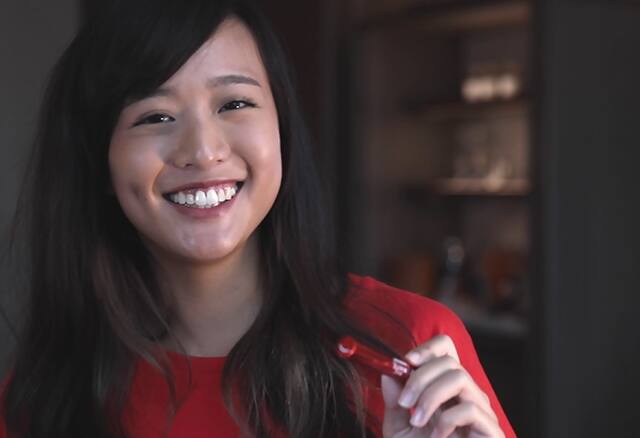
[[439, 400]]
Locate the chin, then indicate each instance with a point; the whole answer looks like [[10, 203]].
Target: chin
[[206, 254], [189, 253], [219, 248]]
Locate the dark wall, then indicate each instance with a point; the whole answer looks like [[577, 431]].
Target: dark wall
[[32, 35], [590, 344]]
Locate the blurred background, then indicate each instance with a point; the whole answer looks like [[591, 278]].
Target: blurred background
[[480, 152]]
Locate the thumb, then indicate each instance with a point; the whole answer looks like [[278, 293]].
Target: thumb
[[396, 418]]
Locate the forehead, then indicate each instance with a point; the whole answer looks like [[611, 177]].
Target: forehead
[[231, 49]]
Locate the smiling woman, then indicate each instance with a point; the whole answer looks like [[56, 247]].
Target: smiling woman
[[211, 126], [184, 278]]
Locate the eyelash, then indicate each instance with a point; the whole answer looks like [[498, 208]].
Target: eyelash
[[247, 103], [148, 120]]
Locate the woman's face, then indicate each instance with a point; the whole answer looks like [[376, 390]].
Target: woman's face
[[209, 133]]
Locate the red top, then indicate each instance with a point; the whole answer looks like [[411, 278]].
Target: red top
[[202, 414]]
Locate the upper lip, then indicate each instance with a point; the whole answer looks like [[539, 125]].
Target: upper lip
[[202, 185]]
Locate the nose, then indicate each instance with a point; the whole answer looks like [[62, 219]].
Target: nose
[[201, 144]]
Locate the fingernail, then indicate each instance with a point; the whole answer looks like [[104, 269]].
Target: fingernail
[[417, 417], [413, 357], [406, 399]]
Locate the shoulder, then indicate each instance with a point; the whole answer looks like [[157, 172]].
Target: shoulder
[[375, 301]]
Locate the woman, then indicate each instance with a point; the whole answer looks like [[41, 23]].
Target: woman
[[183, 280]]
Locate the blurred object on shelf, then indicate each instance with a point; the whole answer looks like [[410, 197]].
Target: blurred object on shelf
[[487, 292], [451, 284], [478, 89], [471, 158], [490, 156], [504, 273], [489, 82], [481, 165], [415, 272]]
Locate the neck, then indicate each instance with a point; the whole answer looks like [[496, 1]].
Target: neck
[[215, 303]]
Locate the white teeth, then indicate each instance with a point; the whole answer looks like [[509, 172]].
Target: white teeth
[[201, 198], [204, 199], [212, 197]]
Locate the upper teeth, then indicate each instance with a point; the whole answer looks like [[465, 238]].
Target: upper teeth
[[204, 198]]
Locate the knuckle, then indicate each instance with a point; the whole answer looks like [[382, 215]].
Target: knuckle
[[449, 341], [458, 375], [451, 362], [443, 340], [445, 421], [446, 341], [426, 401], [471, 409]]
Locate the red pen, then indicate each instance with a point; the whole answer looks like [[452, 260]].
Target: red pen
[[349, 348]]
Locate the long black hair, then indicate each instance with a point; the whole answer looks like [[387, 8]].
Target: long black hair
[[94, 305]]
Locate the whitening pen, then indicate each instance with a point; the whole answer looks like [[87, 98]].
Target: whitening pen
[[349, 348]]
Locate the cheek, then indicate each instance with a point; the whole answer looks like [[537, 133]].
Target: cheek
[[266, 169], [269, 160], [133, 172], [262, 150]]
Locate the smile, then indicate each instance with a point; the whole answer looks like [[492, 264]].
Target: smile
[[203, 198]]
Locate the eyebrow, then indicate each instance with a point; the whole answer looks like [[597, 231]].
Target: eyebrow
[[232, 79], [218, 81]]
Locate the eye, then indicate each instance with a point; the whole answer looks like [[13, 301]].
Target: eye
[[153, 119], [236, 105]]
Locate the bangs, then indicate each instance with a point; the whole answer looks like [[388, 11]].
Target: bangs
[[133, 54]]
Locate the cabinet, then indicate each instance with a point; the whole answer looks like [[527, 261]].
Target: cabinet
[[441, 161]]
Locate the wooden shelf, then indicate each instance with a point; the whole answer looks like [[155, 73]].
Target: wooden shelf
[[482, 187], [451, 16]]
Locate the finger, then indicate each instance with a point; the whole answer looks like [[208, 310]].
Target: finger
[[423, 377], [396, 418], [438, 346], [471, 392], [453, 383], [465, 415]]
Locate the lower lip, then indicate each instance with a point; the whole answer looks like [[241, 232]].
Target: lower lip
[[205, 213]]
